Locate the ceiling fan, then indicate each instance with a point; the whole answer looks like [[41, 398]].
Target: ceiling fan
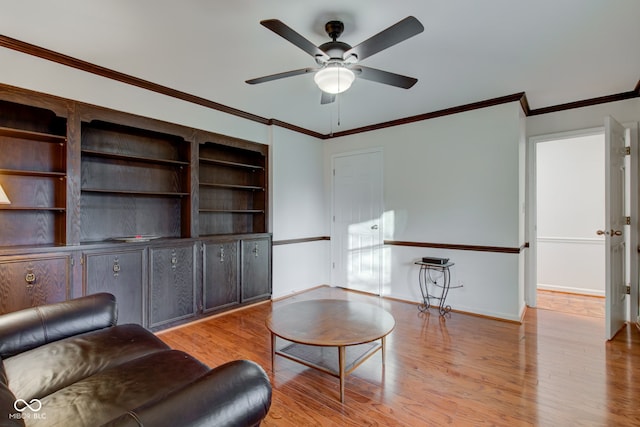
[[338, 62]]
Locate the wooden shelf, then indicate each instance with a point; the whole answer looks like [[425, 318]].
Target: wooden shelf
[[32, 173], [134, 192], [241, 211], [30, 208], [233, 186], [230, 164], [34, 136], [133, 158]]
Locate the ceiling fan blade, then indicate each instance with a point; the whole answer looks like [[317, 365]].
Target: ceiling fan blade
[[385, 77], [395, 34], [327, 98], [280, 75], [284, 31]]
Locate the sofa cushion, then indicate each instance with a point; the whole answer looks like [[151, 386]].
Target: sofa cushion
[[49, 368], [32, 327], [110, 393]]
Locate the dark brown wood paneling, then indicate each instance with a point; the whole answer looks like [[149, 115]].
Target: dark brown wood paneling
[[302, 240], [73, 163], [171, 284], [31, 281], [107, 216], [458, 247], [256, 269], [221, 282], [123, 274]]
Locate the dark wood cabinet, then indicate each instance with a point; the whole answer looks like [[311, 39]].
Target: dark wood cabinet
[[86, 180], [237, 270], [122, 273], [33, 280], [256, 269], [171, 284], [221, 274]]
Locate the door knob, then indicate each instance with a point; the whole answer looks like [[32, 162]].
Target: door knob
[[609, 233]]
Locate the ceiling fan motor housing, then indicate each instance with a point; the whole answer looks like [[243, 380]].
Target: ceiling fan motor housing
[[334, 29]]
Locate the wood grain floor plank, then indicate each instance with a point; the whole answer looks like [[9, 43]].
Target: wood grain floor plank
[[553, 369]]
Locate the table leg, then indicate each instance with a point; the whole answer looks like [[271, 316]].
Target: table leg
[[341, 360], [384, 351], [273, 353]]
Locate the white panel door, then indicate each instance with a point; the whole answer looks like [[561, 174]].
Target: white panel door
[[356, 238], [615, 285]]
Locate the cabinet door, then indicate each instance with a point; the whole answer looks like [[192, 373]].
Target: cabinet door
[[171, 284], [221, 274], [122, 274], [32, 281], [256, 269]]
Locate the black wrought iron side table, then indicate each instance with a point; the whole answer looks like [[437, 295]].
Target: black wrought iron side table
[[429, 282]]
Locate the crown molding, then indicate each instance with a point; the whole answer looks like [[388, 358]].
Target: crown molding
[[50, 55]]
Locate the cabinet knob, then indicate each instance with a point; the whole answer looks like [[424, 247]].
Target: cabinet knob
[[174, 260], [30, 278], [221, 253], [116, 267]]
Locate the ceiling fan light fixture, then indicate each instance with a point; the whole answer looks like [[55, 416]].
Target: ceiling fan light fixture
[[334, 78]]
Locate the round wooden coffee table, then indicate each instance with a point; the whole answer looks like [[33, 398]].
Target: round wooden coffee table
[[312, 328]]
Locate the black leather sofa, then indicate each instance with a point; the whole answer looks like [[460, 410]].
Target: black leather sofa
[[68, 364]]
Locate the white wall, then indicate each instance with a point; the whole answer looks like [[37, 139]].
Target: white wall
[[297, 171], [570, 208], [456, 180]]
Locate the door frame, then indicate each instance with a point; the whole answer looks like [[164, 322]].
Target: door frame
[[531, 213], [333, 231], [531, 282]]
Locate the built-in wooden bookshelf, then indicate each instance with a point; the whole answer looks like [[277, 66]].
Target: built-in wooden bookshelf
[[85, 181], [33, 175], [232, 190]]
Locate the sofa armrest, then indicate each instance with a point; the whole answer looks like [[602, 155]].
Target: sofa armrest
[[9, 417], [32, 327], [237, 393]]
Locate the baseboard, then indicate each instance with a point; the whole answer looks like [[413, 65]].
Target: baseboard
[[293, 294], [570, 290]]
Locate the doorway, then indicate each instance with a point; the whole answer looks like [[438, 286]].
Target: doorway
[[356, 231], [570, 196], [621, 172]]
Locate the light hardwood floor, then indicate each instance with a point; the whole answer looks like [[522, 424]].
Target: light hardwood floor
[[555, 369], [583, 305]]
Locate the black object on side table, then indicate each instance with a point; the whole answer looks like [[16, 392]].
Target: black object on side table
[[442, 282]]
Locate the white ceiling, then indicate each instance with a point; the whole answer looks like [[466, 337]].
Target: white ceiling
[[556, 51]]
